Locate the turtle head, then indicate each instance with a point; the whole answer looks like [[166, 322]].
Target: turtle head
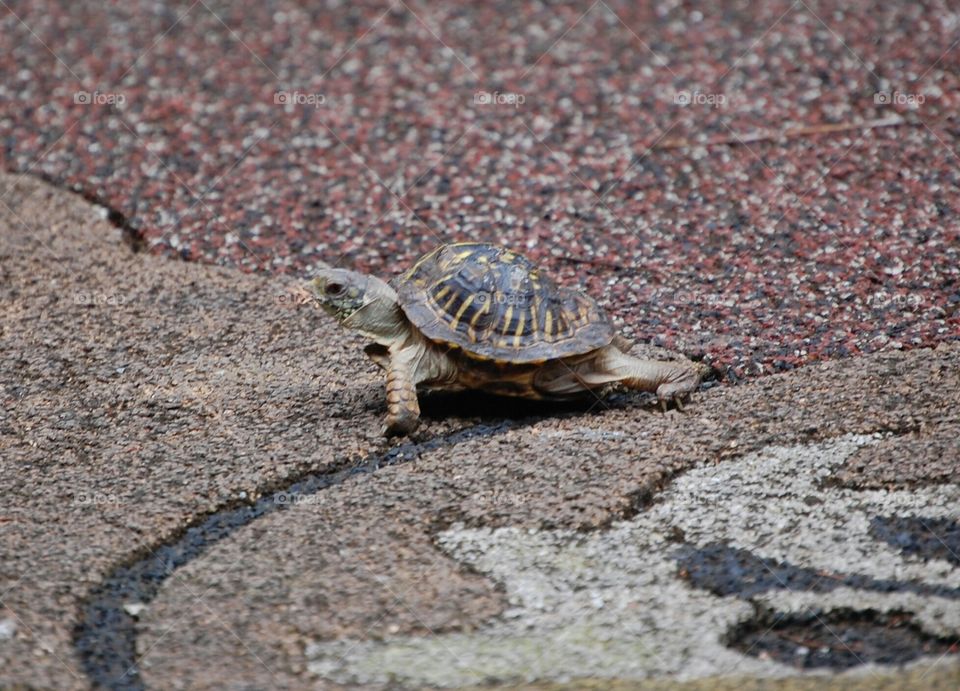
[[358, 301]]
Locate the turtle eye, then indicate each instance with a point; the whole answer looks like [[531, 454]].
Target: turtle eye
[[334, 289]]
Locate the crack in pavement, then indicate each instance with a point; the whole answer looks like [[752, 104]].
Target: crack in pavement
[[131, 235]]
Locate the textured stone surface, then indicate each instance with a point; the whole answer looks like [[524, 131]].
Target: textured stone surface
[[708, 170], [930, 455], [140, 395]]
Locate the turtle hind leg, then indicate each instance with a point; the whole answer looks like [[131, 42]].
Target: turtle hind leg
[[670, 380]]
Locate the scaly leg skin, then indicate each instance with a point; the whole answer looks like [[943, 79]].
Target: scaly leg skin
[[670, 380], [403, 408]]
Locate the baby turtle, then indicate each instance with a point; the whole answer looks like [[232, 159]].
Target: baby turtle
[[474, 315]]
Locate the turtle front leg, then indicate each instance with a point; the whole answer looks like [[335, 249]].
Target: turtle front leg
[[403, 408]]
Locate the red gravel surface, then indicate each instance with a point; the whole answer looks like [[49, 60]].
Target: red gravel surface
[[763, 184]]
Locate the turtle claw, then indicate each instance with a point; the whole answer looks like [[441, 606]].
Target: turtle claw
[[675, 391], [400, 426], [676, 399]]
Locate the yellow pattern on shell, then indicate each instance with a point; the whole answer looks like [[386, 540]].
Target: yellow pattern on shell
[[518, 334], [463, 308], [508, 315]]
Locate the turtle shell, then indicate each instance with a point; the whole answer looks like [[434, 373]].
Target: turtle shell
[[495, 304]]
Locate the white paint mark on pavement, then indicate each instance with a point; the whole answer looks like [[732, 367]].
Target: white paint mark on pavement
[[611, 605]]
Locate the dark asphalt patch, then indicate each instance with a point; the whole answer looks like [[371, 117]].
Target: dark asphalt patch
[[809, 640], [725, 570], [837, 639], [930, 538], [106, 635]]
